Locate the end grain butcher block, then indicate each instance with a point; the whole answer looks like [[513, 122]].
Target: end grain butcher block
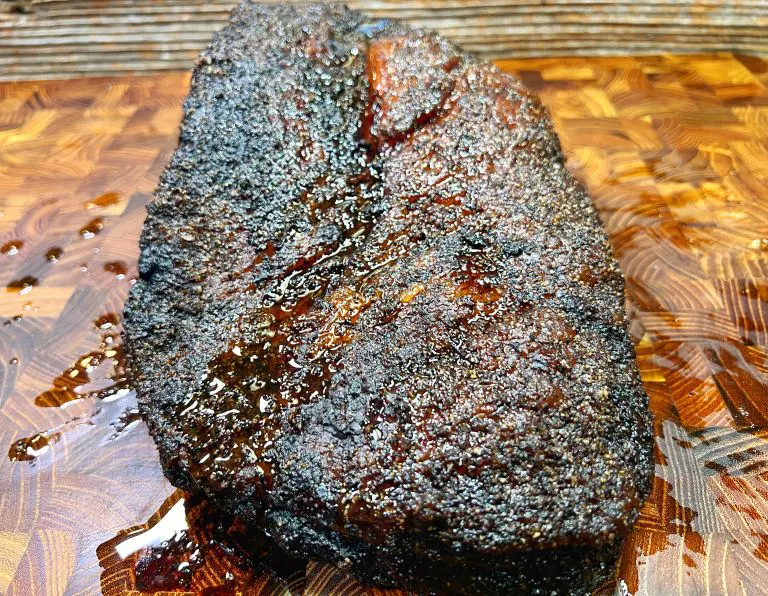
[[673, 150], [379, 320]]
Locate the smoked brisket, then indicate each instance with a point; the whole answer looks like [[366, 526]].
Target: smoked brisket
[[378, 318]]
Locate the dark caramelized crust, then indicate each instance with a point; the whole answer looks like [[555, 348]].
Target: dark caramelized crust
[[379, 318]]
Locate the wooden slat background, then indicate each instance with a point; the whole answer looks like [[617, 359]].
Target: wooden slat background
[[46, 39]]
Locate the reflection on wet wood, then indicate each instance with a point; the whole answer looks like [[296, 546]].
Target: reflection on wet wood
[[674, 152]]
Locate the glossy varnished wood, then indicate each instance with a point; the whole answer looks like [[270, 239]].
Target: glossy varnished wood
[[674, 153]]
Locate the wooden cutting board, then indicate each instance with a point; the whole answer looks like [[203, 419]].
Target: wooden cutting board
[[674, 151]]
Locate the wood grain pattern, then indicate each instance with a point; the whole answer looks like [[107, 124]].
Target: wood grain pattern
[[45, 39], [673, 150]]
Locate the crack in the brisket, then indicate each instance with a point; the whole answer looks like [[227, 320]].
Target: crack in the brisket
[[377, 141]]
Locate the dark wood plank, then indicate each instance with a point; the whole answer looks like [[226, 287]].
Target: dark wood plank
[[46, 39]]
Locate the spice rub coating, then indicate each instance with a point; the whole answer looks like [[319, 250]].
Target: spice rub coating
[[378, 319]]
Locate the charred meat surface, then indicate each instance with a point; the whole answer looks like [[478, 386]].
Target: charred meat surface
[[378, 319]]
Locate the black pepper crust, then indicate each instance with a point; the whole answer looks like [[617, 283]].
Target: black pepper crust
[[378, 318]]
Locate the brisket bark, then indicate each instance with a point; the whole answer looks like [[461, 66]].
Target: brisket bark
[[379, 319]]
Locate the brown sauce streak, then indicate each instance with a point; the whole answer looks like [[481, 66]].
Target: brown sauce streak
[[124, 421], [97, 374], [92, 228], [477, 279], [118, 268], [108, 199], [20, 450], [761, 551], [11, 248], [22, 285], [54, 254]]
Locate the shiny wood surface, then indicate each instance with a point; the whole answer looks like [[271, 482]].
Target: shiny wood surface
[[674, 151]]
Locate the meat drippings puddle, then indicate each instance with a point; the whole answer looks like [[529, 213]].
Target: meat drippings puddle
[[11, 248], [99, 374], [188, 546]]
